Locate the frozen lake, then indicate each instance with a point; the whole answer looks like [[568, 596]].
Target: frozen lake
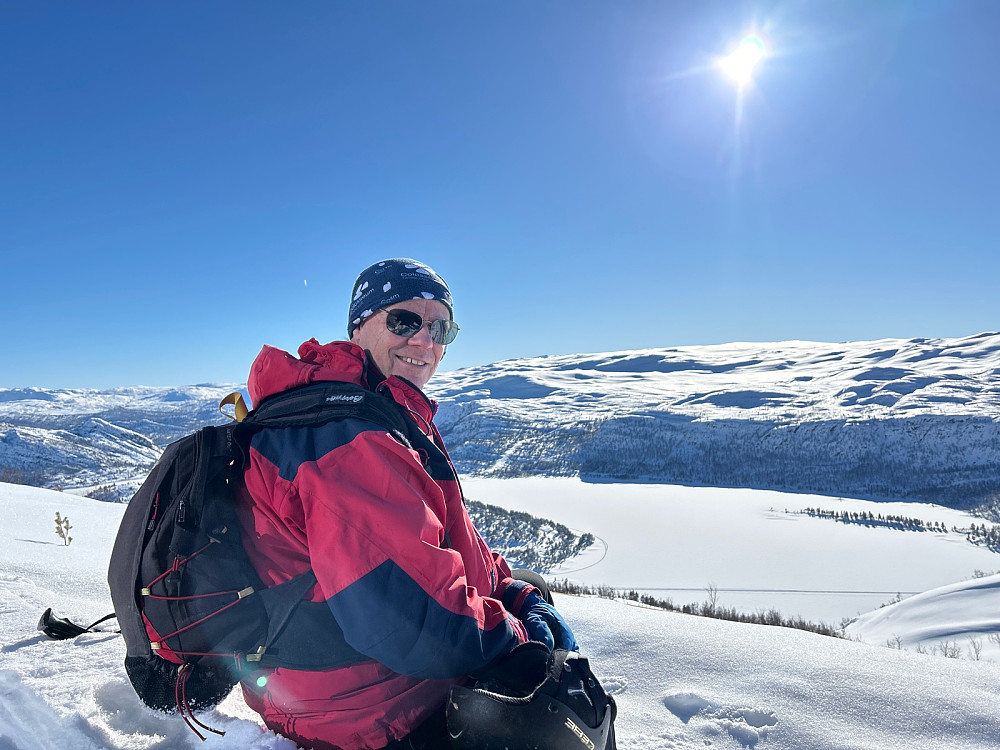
[[756, 547]]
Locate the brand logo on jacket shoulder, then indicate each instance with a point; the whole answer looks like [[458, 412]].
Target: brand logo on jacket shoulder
[[346, 398]]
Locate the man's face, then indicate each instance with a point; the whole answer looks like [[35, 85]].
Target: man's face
[[415, 358]]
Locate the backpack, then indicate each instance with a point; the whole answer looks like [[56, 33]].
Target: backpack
[[193, 612]]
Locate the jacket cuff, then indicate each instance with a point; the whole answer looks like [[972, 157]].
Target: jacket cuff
[[512, 594]]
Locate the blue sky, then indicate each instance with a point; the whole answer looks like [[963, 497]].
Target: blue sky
[[183, 182]]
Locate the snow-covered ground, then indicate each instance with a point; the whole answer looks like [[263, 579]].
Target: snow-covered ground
[[682, 682], [958, 620]]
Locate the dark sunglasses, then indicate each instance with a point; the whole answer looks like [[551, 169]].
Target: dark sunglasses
[[405, 323]]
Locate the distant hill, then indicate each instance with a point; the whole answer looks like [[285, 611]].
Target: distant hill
[[915, 419], [72, 438], [903, 419]]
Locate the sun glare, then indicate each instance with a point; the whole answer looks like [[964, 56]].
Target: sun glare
[[740, 64]]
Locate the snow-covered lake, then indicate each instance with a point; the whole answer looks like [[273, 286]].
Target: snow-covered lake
[[755, 546]]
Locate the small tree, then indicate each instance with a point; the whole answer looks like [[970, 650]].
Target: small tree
[[62, 529], [949, 649], [975, 649], [713, 598]]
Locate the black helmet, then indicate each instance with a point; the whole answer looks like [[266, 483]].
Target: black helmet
[[568, 711]]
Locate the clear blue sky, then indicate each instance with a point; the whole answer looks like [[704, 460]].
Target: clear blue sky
[[182, 182]]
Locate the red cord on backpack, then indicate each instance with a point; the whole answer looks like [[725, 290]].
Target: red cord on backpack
[[184, 709], [177, 564]]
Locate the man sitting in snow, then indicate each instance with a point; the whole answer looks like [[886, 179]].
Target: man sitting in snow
[[411, 582]]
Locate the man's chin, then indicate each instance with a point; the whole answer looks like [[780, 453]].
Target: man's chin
[[416, 374]]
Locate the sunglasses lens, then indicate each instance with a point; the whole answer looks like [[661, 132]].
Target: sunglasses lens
[[444, 331], [405, 323]]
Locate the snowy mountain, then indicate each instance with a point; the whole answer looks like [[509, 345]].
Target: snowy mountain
[[79, 438], [914, 419], [892, 419]]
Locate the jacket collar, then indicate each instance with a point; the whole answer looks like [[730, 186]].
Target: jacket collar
[[275, 370]]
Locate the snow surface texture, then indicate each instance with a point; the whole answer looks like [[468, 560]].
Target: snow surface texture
[[891, 419], [681, 682]]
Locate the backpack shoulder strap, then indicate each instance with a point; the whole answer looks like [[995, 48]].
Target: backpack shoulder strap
[[319, 403]]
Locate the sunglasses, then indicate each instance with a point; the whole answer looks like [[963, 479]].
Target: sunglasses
[[406, 324]]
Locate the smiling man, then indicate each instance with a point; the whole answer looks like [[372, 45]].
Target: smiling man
[[379, 517], [416, 305]]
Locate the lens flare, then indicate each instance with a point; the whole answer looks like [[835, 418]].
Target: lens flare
[[740, 64]]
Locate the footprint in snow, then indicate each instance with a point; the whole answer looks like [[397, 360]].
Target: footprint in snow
[[748, 726], [614, 685]]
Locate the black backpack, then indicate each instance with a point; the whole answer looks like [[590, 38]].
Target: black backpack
[[192, 610]]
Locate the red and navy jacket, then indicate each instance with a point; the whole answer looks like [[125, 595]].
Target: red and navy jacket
[[396, 556]]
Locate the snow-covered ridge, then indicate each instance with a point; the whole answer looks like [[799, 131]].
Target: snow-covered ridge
[[951, 620], [794, 381], [80, 437], [915, 419]]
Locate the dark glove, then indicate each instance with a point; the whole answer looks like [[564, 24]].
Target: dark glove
[[542, 621], [516, 673]]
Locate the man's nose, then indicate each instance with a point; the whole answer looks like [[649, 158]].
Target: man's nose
[[422, 338]]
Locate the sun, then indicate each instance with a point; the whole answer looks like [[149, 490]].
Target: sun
[[739, 65]]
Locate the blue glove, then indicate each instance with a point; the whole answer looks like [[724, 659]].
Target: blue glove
[[542, 621]]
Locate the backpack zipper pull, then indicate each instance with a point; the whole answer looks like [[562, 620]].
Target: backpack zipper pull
[[156, 511]]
